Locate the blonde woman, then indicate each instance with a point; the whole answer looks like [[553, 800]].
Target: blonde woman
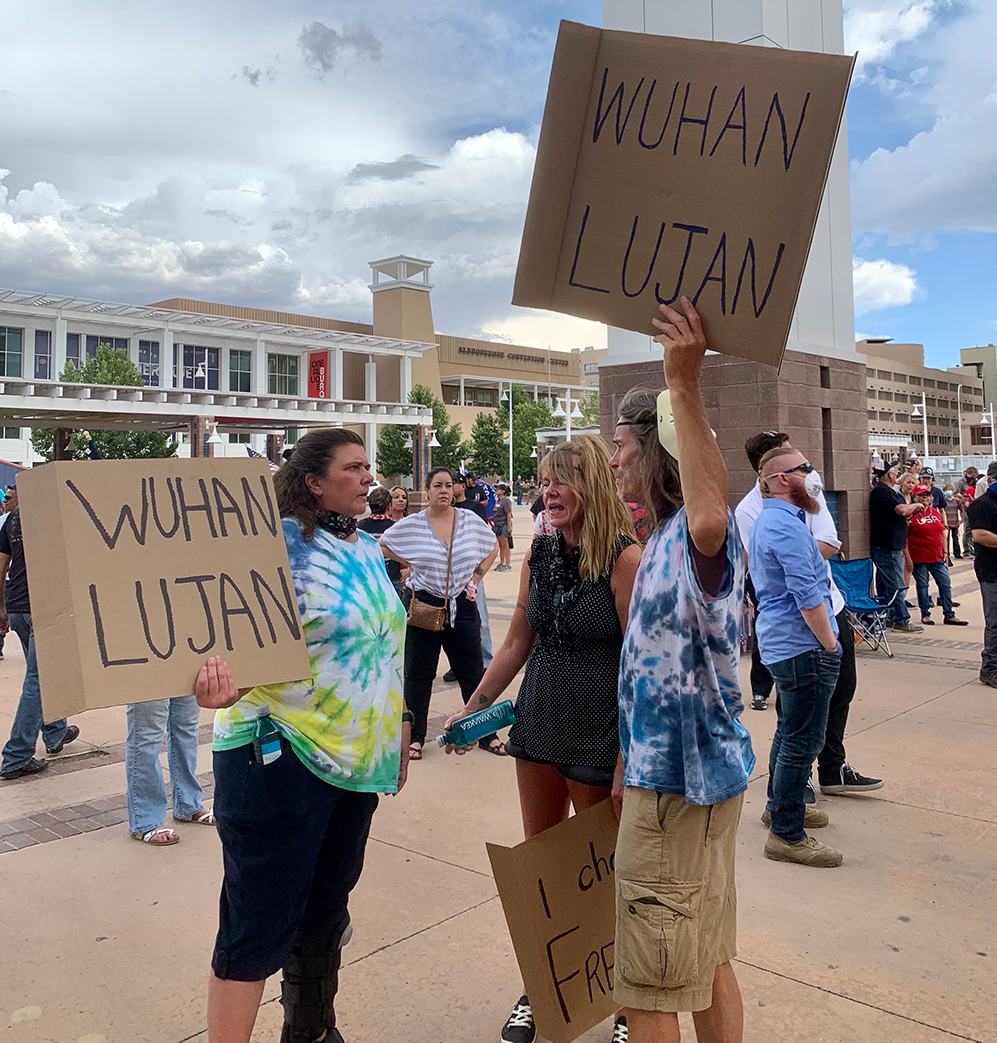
[[567, 629]]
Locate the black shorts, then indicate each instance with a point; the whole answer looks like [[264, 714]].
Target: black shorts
[[293, 848], [583, 773]]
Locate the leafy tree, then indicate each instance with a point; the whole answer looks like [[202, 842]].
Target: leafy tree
[[527, 416], [393, 459], [488, 452], [590, 410], [452, 449], [110, 366]]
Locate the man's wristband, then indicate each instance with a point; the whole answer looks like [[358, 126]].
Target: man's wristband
[[408, 717]]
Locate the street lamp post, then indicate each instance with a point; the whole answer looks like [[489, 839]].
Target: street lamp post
[[568, 408], [990, 420], [923, 414], [507, 394]]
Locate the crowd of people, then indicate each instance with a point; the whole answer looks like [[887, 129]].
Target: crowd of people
[[627, 631]]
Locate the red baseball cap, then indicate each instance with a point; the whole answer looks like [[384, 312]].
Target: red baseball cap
[[921, 490]]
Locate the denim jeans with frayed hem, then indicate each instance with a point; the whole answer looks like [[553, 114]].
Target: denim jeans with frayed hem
[[938, 570], [147, 722], [27, 724], [803, 687], [890, 577]]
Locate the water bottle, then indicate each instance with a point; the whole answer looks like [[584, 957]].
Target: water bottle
[[468, 730]]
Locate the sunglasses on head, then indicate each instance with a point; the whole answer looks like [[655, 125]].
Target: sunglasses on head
[[805, 468]]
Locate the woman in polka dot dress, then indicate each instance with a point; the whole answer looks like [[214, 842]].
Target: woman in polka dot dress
[[567, 629]]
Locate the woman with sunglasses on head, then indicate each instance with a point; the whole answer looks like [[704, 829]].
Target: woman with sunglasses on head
[[571, 613], [447, 551], [298, 765]]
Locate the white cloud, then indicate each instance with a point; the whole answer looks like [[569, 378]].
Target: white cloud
[[881, 284], [875, 28], [545, 329]]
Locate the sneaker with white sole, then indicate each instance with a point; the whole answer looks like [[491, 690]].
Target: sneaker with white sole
[[520, 1027], [851, 781]]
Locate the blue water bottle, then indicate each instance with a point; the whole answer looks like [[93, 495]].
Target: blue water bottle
[[468, 730]]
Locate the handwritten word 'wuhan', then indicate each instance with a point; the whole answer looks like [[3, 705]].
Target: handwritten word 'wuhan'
[[186, 511], [664, 123]]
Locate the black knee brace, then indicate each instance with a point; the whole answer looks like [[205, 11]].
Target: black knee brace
[[308, 989]]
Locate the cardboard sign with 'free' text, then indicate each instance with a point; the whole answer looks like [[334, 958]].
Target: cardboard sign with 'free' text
[[670, 167], [138, 570], [558, 892]]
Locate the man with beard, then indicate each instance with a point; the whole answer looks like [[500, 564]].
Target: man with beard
[[798, 637]]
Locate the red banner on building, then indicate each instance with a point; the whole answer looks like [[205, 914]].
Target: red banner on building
[[318, 374]]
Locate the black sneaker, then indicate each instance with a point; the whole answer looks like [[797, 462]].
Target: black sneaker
[[810, 794], [450, 677], [31, 768], [620, 1033], [989, 677], [759, 702], [520, 1027], [851, 781], [72, 734]]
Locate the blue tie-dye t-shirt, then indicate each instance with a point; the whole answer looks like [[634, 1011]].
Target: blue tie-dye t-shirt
[[680, 697]]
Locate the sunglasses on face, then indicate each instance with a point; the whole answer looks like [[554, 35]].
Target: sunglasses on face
[[802, 468]]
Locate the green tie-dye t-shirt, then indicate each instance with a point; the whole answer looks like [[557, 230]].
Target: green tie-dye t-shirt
[[345, 721]]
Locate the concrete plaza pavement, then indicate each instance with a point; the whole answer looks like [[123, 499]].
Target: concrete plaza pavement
[[106, 940]]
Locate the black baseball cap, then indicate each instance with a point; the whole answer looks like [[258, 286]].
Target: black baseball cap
[[471, 474], [458, 477]]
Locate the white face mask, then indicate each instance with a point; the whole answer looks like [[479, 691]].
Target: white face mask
[[813, 483]]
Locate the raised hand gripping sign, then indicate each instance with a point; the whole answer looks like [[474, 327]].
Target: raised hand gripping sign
[[138, 570], [671, 167]]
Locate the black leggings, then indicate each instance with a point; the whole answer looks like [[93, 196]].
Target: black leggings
[[461, 640]]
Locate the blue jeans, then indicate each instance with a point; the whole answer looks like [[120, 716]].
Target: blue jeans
[[890, 577], [486, 633], [27, 724], [803, 687], [178, 718], [940, 572]]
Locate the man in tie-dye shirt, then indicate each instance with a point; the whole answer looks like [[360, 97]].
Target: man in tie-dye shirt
[[684, 754]]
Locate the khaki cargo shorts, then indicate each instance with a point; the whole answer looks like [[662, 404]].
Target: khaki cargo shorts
[[676, 902]]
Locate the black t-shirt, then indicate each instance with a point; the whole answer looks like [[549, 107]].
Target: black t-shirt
[[938, 499], [473, 505], [476, 493], [16, 597], [376, 526], [982, 514], [887, 530]]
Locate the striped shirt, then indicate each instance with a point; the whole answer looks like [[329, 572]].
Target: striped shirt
[[414, 540]]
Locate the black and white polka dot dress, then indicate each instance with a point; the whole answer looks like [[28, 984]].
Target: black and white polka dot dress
[[567, 710]]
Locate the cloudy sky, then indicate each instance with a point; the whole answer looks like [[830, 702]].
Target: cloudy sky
[[262, 154]]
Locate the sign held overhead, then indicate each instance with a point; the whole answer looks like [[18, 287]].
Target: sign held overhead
[[141, 569], [671, 167]]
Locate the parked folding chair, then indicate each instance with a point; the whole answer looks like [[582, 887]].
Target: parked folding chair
[[867, 613]]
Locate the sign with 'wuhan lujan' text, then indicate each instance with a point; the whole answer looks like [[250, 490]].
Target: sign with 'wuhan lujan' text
[[138, 570], [670, 167]]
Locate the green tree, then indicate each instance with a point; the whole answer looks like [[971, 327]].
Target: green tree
[[452, 449], [393, 459], [110, 366], [488, 452], [527, 416], [590, 410]]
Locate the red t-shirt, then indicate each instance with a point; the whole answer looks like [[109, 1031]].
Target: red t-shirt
[[926, 536]]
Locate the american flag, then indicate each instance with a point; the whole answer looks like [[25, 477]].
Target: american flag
[[252, 452]]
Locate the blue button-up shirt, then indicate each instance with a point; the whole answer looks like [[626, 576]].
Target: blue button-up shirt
[[789, 574]]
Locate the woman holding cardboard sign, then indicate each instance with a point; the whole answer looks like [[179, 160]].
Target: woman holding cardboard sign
[[298, 765], [574, 595]]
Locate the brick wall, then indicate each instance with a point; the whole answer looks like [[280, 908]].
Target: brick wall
[[819, 402]]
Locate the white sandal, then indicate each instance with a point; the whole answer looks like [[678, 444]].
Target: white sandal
[[150, 837], [204, 817]]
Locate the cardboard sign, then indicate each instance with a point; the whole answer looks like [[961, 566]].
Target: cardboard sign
[[558, 892], [140, 569], [670, 167]]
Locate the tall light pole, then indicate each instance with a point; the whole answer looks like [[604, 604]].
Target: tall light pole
[[507, 394], [568, 408], [923, 414], [990, 420]]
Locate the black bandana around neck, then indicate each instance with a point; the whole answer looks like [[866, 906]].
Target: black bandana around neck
[[339, 525]]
